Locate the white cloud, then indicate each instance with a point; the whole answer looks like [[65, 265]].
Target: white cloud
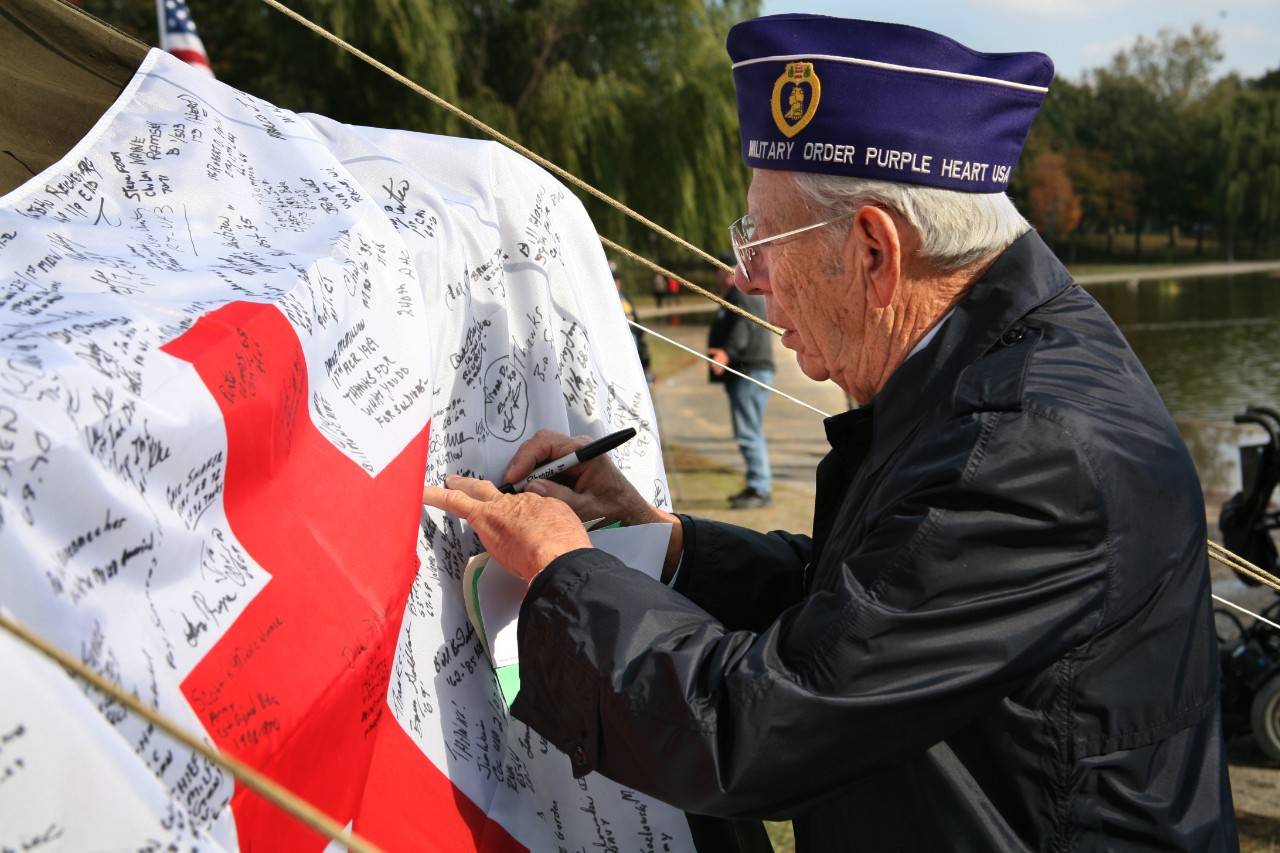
[[1045, 8], [1247, 50], [1095, 53]]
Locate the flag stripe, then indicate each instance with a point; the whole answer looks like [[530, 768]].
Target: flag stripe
[[191, 57], [178, 34]]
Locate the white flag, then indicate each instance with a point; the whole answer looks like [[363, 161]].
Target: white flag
[[233, 343]]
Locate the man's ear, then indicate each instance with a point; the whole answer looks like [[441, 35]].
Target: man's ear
[[878, 250]]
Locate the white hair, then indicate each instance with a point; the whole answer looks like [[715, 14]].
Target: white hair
[[955, 229]]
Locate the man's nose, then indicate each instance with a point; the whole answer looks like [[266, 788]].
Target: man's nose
[[758, 284]]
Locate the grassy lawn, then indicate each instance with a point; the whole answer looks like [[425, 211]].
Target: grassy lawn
[[1110, 268], [701, 486], [1257, 834], [780, 836]]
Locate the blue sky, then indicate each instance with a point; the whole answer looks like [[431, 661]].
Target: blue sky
[[1078, 34]]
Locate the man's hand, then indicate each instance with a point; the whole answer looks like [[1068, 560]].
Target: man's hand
[[721, 359], [523, 532], [596, 488]]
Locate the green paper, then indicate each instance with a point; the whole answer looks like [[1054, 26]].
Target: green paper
[[509, 682]]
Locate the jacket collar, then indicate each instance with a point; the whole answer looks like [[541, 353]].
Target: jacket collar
[[1023, 277]]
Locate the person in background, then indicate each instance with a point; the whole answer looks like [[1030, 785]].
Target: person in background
[[629, 311], [659, 289], [737, 343]]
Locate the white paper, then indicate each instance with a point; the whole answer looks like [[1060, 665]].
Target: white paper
[[642, 547]]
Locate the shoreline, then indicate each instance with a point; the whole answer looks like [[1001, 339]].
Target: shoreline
[[1123, 276]]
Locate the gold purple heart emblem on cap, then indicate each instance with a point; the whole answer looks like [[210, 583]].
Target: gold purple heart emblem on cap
[[795, 97], [796, 94]]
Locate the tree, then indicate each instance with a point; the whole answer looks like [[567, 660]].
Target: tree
[[1107, 193], [1177, 68], [634, 97], [1141, 114], [1247, 190], [1055, 207]]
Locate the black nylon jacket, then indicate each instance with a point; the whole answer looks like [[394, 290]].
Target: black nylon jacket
[[998, 638]]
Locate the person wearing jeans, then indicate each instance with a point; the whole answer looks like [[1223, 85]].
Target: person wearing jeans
[[746, 347], [746, 405]]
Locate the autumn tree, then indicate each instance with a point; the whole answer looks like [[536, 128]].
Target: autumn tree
[[1054, 204]]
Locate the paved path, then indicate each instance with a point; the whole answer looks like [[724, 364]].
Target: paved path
[[1181, 271]]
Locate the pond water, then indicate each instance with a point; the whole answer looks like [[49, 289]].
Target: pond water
[[1212, 347]]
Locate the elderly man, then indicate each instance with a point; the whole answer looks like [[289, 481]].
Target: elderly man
[[999, 635]]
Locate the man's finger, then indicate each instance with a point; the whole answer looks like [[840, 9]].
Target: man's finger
[[578, 503], [451, 501], [480, 490]]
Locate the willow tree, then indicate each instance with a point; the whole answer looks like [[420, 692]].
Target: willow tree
[[635, 96], [1247, 193]]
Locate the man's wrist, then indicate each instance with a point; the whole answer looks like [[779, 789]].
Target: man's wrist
[[549, 553], [647, 513], [675, 545]]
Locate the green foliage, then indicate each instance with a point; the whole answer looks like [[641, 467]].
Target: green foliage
[[633, 96], [1247, 188], [1153, 139], [1173, 67]]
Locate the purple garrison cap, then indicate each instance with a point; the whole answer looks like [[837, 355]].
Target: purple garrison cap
[[886, 101]]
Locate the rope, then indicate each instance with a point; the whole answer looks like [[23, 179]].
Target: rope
[[741, 312], [284, 799], [1239, 564], [694, 352], [1222, 600], [572, 179]]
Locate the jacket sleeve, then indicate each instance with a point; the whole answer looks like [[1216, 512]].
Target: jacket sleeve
[[982, 573], [741, 577]]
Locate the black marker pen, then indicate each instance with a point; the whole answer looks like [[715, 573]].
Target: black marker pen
[[582, 454]]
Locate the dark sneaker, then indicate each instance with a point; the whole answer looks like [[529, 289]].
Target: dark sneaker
[[750, 499]]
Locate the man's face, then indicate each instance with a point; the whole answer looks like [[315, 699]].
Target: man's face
[[807, 282]]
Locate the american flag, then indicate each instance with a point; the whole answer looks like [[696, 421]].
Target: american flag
[[178, 34]]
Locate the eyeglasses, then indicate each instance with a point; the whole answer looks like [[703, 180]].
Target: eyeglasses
[[742, 235]]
